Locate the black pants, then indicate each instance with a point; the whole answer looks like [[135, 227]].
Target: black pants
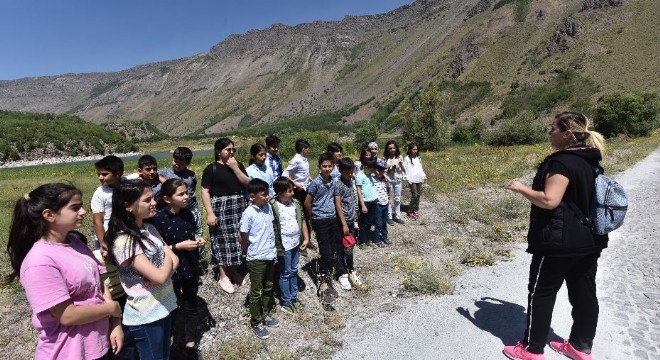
[[546, 276], [186, 296], [328, 234]]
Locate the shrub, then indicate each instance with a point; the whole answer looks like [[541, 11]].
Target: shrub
[[419, 276], [365, 134], [521, 130], [422, 122], [632, 114], [468, 134]]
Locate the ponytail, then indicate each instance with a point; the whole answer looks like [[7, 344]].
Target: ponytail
[[28, 224]]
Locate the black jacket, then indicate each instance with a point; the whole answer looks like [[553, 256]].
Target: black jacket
[[559, 231]]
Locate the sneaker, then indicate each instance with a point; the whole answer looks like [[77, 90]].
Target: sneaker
[[380, 244], [260, 331], [343, 281], [289, 309], [399, 220], [355, 280], [565, 348], [390, 222], [518, 352], [226, 285], [271, 321], [297, 305], [387, 242]]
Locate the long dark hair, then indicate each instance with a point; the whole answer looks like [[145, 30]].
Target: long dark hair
[[28, 224], [254, 150], [122, 222], [410, 147], [167, 189], [386, 152]]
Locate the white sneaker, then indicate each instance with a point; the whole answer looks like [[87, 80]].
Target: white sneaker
[[343, 281], [355, 280]]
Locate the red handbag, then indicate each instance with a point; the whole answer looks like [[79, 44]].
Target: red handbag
[[348, 240]]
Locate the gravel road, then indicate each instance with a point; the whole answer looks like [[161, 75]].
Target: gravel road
[[487, 310]]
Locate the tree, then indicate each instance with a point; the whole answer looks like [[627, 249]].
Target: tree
[[422, 122], [632, 114]]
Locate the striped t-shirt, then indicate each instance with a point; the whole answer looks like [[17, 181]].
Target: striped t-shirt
[[381, 186]]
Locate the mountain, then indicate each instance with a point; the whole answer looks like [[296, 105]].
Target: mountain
[[289, 71]]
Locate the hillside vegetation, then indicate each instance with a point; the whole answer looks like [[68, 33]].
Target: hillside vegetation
[[30, 136], [299, 74]]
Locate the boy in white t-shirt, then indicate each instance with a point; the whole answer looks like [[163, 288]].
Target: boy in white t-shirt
[[109, 171]]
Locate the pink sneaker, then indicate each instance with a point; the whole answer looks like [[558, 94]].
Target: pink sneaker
[[518, 352], [565, 348]]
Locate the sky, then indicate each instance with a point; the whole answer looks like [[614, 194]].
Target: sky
[[51, 37]]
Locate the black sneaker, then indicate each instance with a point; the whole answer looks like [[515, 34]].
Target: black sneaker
[[390, 222], [400, 221], [387, 242], [271, 321], [260, 331]]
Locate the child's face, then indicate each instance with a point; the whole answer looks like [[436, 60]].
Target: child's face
[[149, 172], [144, 207], [380, 172], [374, 152], [180, 197], [108, 178], [337, 154], [368, 170], [304, 152], [391, 149], [347, 174], [286, 196], [413, 151], [274, 149], [259, 157], [70, 217], [260, 198], [326, 168], [179, 165]]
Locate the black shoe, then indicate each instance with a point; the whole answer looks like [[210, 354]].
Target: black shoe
[[390, 222]]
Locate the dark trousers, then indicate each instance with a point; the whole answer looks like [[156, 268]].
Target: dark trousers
[[380, 219], [365, 221], [546, 276], [261, 300], [415, 193], [345, 256], [186, 297], [328, 235]]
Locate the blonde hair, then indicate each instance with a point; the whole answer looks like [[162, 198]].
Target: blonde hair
[[579, 126]]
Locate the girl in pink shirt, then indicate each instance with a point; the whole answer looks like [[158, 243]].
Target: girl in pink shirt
[[74, 314]]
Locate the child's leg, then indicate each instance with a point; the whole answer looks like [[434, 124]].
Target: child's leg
[[153, 339], [348, 253], [414, 197], [257, 270], [381, 226], [396, 189], [341, 261], [267, 299], [383, 220], [324, 231], [190, 288], [286, 273], [295, 261]]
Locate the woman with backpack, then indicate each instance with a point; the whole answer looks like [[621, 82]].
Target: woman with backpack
[[562, 247]]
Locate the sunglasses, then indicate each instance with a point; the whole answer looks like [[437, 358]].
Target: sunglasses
[[232, 150]]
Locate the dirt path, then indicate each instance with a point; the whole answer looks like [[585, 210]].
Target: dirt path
[[488, 308]]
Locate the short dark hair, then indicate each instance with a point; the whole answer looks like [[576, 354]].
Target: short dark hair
[[272, 140], [301, 144], [145, 160], [111, 163], [183, 153], [282, 184], [346, 164], [334, 147], [326, 156], [257, 186], [369, 163]]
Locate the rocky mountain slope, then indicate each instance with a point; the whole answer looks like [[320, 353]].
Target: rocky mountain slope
[[287, 71]]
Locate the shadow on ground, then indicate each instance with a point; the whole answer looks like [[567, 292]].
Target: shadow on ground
[[505, 320]]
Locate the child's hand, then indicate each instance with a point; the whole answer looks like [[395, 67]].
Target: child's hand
[[211, 220], [188, 245], [116, 338], [345, 229], [116, 309], [304, 244], [364, 209]]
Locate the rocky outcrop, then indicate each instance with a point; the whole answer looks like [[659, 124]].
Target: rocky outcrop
[[482, 6], [565, 32], [599, 4]]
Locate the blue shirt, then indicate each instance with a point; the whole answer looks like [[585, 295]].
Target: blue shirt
[[257, 223], [274, 162], [323, 202], [366, 182], [264, 173]]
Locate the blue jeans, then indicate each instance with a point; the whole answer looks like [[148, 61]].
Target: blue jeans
[[289, 275], [153, 339], [380, 217], [395, 210]]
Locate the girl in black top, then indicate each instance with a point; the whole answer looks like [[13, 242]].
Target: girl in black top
[[177, 225], [563, 248], [223, 186]]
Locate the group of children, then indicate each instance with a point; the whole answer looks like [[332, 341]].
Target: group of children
[[120, 301]]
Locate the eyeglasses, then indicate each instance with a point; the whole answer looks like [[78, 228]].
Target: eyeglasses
[[231, 150]]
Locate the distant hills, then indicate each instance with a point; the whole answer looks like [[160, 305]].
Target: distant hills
[[362, 63]]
